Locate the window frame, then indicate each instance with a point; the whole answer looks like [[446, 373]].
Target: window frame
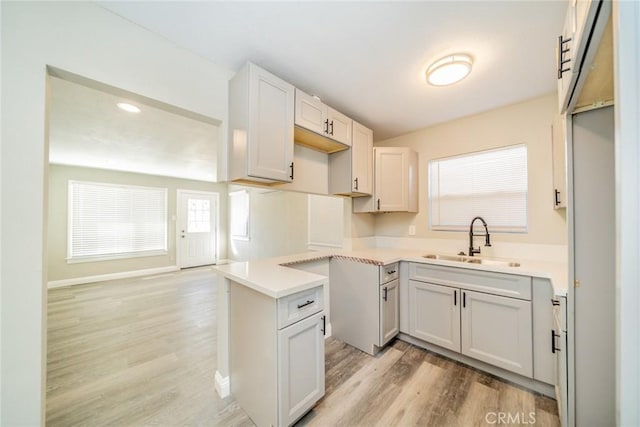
[[493, 227], [71, 259]]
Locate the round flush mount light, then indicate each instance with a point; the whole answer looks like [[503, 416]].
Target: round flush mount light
[[449, 70], [130, 108]]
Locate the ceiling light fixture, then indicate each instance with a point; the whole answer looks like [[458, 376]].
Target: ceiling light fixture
[[130, 108], [449, 70]]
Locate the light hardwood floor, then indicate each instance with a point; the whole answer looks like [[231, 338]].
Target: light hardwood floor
[[143, 352]]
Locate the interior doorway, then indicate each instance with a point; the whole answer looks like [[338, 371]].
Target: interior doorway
[[196, 228]]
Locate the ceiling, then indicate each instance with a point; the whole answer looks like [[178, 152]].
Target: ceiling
[[86, 128], [366, 59]]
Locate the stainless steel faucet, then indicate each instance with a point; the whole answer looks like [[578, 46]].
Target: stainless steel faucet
[[487, 241]]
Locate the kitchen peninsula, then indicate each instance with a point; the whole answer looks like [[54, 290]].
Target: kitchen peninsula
[[295, 292]]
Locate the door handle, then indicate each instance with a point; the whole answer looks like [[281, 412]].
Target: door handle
[[553, 341]]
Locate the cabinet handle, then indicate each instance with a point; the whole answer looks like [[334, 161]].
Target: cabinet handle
[[464, 300], [561, 51], [291, 176], [324, 325], [305, 304], [331, 131], [356, 186], [555, 302], [391, 272], [455, 298], [557, 197], [553, 341], [378, 204], [326, 126], [384, 296]]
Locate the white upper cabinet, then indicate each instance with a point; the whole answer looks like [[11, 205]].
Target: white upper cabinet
[[395, 187], [319, 126], [261, 111], [339, 126], [585, 24], [351, 171]]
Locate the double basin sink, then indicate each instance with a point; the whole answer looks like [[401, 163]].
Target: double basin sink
[[473, 260]]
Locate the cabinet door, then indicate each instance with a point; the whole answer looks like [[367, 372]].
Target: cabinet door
[[558, 153], [497, 330], [434, 314], [271, 104], [339, 126], [389, 315], [311, 113], [362, 159], [391, 188], [300, 368]]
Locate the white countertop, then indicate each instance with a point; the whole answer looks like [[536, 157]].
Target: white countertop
[[272, 276]]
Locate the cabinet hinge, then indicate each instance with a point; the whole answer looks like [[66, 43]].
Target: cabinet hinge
[[576, 283]]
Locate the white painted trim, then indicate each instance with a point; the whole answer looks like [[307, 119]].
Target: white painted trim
[[223, 386], [110, 276], [626, 37]]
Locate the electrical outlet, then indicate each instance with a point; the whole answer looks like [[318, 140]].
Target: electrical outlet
[[412, 230]]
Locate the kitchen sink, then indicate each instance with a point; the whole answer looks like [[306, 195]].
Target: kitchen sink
[[473, 260], [457, 258]]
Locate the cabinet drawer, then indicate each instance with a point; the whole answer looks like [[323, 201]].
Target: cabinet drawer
[[388, 273], [300, 305], [509, 285]]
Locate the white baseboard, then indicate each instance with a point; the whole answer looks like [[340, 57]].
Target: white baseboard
[[222, 385], [110, 276]]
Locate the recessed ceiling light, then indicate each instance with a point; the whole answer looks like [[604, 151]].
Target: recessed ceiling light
[[128, 107], [449, 70]]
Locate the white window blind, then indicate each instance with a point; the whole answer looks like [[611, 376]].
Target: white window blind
[[116, 221], [491, 184], [239, 214]]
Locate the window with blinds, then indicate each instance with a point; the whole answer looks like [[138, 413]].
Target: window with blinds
[[491, 184], [116, 221], [239, 214]]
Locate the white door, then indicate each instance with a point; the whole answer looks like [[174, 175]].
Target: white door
[[300, 368], [339, 126], [271, 110], [391, 172], [389, 315], [434, 314], [497, 330], [311, 113], [362, 158], [196, 228]]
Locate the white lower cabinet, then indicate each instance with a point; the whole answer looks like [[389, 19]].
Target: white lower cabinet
[[497, 330], [494, 329], [434, 314], [364, 303], [276, 353], [300, 368], [389, 315]]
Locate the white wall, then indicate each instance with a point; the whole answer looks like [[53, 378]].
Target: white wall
[[59, 176], [527, 122], [85, 39], [277, 224]]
